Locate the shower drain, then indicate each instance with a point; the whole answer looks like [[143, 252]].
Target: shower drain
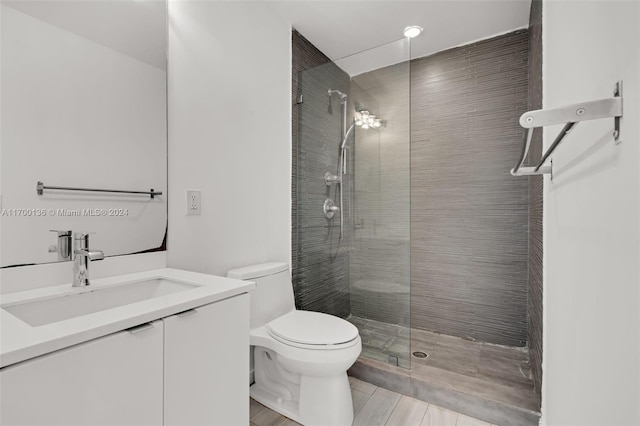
[[419, 354]]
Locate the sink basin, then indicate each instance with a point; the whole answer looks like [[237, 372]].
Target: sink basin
[[59, 308]]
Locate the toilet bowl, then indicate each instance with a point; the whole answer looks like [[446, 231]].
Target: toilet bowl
[[301, 357]]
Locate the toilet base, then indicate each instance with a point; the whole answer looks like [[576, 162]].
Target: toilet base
[[310, 400], [269, 400], [324, 401]]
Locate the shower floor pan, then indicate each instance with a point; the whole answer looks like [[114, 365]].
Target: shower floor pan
[[489, 382]]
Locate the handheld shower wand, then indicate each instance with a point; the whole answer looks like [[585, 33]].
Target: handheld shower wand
[[342, 166]]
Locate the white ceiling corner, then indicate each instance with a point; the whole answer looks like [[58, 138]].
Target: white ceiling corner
[[135, 28], [341, 28]]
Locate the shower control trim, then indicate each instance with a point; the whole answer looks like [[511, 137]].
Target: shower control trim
[[329, 208], [330, 179]]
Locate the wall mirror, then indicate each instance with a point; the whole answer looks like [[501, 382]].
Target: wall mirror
[[84, 105]]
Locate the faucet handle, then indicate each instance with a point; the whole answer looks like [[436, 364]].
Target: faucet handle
[[81, 235], [62, 233], [81, 240]]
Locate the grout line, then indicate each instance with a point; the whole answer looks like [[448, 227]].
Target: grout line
[[425, 413], [365, 403], [394, 405], [394, 410]]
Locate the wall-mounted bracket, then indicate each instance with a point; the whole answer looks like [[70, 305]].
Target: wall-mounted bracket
[[617, 92], [569, 115]]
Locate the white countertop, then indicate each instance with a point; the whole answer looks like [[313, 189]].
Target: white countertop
[[20, 341]]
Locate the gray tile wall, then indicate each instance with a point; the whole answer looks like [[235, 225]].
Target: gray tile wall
[[304, 55], [469, 216], [320, 269], [534, 307]]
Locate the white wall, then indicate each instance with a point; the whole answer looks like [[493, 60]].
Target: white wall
[[78, 114], [591, 368], [229, 135]]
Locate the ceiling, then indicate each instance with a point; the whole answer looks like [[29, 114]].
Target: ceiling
[[339, 28], [343, 28], [140, 26]]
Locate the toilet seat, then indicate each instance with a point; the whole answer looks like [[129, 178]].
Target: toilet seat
[[312, 330]]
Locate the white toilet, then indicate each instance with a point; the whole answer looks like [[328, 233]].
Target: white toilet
[[301, 357]]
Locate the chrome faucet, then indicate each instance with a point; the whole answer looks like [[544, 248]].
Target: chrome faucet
[[63, 248], [82, 256]]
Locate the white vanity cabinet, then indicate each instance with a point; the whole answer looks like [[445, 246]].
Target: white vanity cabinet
[[214, 336], [186, 369], [113, 380]]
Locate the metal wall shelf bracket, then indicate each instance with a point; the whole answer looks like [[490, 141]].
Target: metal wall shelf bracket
[[570, 116], [40, 187]]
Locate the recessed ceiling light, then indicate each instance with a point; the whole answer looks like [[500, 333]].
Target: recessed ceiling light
[[412, 31]]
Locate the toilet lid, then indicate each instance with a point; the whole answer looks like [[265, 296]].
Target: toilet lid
[[312, 328]]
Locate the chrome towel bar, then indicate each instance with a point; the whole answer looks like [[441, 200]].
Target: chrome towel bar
[[569, 115], [40, 187]]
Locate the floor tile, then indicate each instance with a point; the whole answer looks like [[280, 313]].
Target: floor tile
[[374, 406], [353, 381], [494, 372], [266, 417], [364, 387], [408, 412], [359, 399], [377, 409], [254, 407], [438, 416], [470, 421], [285, 421]]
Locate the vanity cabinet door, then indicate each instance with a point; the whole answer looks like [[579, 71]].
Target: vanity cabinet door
[[113, 380], [207, 365]]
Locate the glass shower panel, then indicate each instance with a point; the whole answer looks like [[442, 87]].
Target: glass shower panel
[[379, 269], [360, 270]]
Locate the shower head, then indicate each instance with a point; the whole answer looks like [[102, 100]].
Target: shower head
[[342, 95]]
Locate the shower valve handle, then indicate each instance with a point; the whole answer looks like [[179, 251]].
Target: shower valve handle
[[330, 179], [329, 208]]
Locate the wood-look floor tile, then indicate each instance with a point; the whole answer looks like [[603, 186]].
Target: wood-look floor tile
[[359, 399], [353, 381], [285, 421], [408, 412], [438, 416], [254, 407], [266, 417], [470, 421], [364, 387], [377, 409]]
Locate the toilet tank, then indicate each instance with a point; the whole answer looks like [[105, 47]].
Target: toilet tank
[[273, 295]]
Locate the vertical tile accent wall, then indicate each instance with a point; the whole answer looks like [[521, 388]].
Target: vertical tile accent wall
[[469, 216], [320, 269], [535, 200], [304, 55]]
